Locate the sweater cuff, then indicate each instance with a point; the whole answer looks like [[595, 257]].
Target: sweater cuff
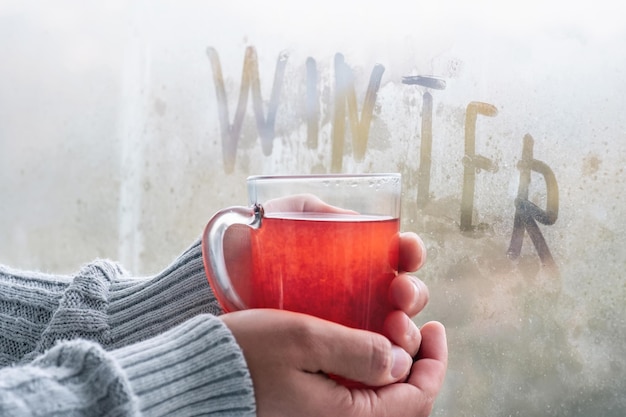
[[195, 368]]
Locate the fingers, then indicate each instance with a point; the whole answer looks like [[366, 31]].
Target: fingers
[[406, 292], [401, 331], [409, 294], [354, 354], [238, 259], [301, 203], [412, 252], [313, 345], [413, 398], [416, 397], [429, 370]]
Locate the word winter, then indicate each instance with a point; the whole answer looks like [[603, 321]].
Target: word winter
[[527, 214]]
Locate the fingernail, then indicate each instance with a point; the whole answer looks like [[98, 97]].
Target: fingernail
[[401, 362]]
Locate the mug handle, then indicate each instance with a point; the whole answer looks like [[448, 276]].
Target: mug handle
[[213, 251]]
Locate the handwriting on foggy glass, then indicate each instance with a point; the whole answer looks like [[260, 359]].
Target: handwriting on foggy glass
[[527, 214]]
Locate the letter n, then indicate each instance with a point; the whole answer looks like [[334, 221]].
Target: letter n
[[344, 93]]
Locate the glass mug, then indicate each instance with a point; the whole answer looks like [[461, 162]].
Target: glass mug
[[324, 245]]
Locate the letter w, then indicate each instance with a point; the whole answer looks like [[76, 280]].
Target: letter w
[[249, 80]]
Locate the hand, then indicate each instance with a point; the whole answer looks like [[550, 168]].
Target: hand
[[289, 356]]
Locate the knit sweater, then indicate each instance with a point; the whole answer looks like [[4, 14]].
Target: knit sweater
[[103, 343]]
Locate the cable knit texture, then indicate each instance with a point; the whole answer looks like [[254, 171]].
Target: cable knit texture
[[105, 343]]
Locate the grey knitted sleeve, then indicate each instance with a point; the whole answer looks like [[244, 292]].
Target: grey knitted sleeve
[[104, 343], [193, 369], [101, 302]]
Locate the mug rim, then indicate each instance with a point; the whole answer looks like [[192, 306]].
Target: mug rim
[[323, 176]]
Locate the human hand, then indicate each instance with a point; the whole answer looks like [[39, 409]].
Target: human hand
[[289, 356]]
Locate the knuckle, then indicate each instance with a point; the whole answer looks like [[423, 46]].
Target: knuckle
[[303, 335]]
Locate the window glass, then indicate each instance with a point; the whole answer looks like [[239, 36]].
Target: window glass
[[125, 125]]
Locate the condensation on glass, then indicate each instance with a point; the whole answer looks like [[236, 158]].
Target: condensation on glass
[[125, 125]]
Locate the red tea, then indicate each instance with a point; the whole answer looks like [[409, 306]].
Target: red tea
[[334, 266]]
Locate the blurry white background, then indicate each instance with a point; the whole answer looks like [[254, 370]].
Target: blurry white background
[[110, 146]]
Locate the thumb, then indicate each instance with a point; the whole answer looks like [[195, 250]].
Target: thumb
[[357, 355]]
